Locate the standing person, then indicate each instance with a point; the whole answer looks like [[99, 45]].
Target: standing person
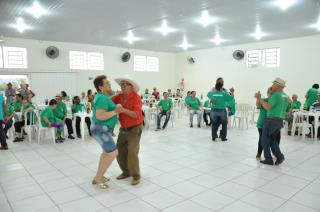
[[30, 93], [10, 93], [276, 110], [311, 96], [3, 118], [60, 112], [131, 120], [76, 108], [165, 110], [156, 94], [261, 120], [104, 120], [219, 101], [23, 91], [195, 107]]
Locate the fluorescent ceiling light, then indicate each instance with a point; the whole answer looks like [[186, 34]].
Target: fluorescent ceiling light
[[218, 40], [185, 45], [131, 38], [318, 24], [258, 34], [284, 4], [205, 19], [165, 29], [20, 25], [36, 10]]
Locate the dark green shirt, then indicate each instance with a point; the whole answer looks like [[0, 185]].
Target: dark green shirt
[[194, 103], [279, 104], [60, 111], [47, 113], [166, 104], [221, 97], [262, 115]]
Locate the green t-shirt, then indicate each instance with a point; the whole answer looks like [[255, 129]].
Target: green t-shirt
[[262, 115], [295, 105], [187, 99], [60, 111], [221, 97], [17, 106], [312, 97], [47, 113], [101, 101], [166, 104], [279, 104], [10, 109], [76, 108], [207, 103], [194, 103]]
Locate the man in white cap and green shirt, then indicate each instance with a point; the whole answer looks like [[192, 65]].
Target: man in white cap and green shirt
[[276, 111]]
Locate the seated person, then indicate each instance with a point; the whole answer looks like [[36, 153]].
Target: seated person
[[60, 112], [26, 108], [194, 106], [9, 121], [76, 108], [83, 97], [179, 94], [165, 110], [146, 94], [49, 120], [170, 95], [186, 99], [315, 107], [156, 94], [206, 113], [293, 105], [64, 96], [17, 105]]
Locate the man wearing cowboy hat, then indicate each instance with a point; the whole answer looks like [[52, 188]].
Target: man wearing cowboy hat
[[131, 120], [276, 112]]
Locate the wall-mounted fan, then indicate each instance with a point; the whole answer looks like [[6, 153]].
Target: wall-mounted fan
[[125, 57], [238, 54], [52, 52], [191, 60]]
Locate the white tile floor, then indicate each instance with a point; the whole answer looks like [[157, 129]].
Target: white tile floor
[[182, 170]]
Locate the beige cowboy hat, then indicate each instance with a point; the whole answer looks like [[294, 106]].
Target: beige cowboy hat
[[129, 79], [280, 82]]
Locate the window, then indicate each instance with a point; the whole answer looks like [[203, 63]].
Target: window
[[86, 60], [271, 57], [95, 61], [14, 57], [1, 58], [145, 63], [268, 58]]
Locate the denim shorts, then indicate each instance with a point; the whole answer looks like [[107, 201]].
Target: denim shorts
[[103, 135]]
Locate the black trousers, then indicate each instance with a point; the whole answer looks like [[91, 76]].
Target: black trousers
[[19, 124], [207, 118], [78, 121], [69, 126], [260, 148], [3, 140], [7, 126]]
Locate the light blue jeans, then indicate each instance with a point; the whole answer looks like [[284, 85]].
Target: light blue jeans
[[195, 112]]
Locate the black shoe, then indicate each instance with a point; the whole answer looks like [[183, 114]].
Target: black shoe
[[199, 126], [267, 162], [79, 136], [214, 140], [158, 129], [71, 137], [224, 139], [4, 148], [191, 125], [279, 161], [163, 128], [18, 139]]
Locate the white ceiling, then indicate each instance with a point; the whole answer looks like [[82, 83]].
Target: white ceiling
[[106, 22]]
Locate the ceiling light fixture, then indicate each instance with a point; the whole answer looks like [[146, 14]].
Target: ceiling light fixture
[[36, 10], [284, 4], [20, 25], [165, 29], [218, 40], [205, 19], [258, 34], [131, 38], [185, 45]]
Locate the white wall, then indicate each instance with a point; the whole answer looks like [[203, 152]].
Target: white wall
[[114, 67], [299, 66]]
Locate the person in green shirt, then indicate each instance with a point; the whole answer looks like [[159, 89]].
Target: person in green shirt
[[206, 112], [276, 108], [219, 98], [9, 122], [294, 105], [49, 120], [27, 110], [194, 106], [165, 106], [261, 120], [17, 105], [61, 113], [104, 119], [77, 107], [311, 96], [186, 99]]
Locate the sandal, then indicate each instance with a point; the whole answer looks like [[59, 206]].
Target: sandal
[[102, 185], [106, 179]]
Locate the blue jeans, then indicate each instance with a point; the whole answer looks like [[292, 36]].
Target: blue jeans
[[271, 139], [160, 115], [219, 116], [103, 135], [195, 112]]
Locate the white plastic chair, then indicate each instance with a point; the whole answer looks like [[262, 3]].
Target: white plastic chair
[[40, 129], [29, 129], [242, 115], [301, 122]]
